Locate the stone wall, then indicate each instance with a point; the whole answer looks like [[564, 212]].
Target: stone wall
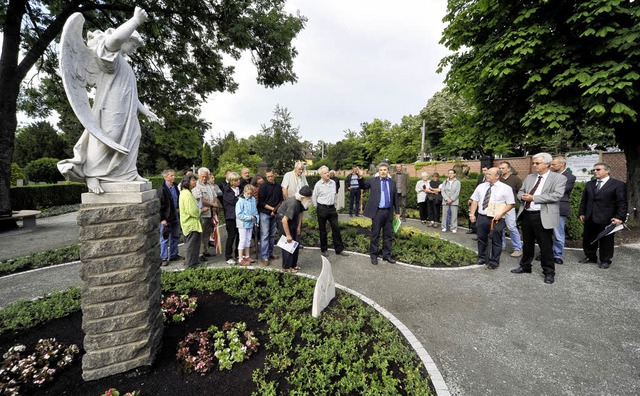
[[121, 315]]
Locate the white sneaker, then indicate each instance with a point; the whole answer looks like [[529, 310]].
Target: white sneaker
[[231, 261], [454, 231], [444, 230]]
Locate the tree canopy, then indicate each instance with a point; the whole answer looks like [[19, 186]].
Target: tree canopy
[[548, 71], [183, 61]]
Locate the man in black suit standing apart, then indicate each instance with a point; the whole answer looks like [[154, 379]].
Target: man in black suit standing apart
[[380, 207], [604, 201], [539, 213]]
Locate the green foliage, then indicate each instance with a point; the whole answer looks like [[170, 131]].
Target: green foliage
[[574, 228], [16, 173], [43, 170], [279, 144], [156, 181], [44, 196], [350, 349], [22, 315], [37, 140], [207, 159], [38, 260], [541, 74]]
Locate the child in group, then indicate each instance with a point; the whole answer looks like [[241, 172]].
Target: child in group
[[246, 218]]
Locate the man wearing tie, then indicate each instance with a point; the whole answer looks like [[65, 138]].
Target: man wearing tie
[[604, 201], [540, 194], [491, 191], [380, 207]]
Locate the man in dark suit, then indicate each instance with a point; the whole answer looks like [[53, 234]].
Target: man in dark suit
[[540, 194], [380, 207], [559, 165], [604, 201]]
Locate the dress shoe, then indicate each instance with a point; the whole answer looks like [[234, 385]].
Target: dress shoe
[[208, 255], [588, 260], [516, 253], [481, 263], [275, 256], [343, 253], [471, 232], [165, 263], [176, 258], [558, 261], [548, 279], [492, 267], [605, 265], [520, 270], [389, 260], [202, 258], [325, 254], [474, 238], [374, 260]]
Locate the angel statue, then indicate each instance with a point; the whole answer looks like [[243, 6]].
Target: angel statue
[[107, 151]]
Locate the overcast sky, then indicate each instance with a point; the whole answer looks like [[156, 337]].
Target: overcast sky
[[357, 60]]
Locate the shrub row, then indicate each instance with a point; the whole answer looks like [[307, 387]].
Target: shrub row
[[46, 195]]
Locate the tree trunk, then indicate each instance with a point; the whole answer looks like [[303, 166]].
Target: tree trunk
[[626, 135], [10, 78]]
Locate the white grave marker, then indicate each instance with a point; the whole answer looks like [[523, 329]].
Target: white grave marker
[[325, 289]]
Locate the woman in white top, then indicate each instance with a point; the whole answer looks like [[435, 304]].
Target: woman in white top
[[422, 186]]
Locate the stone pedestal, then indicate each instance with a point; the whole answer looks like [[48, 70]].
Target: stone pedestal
[[120, 255]]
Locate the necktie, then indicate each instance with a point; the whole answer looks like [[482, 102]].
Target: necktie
[[385, 191], [528, 204], [487, 196], [598, 185]]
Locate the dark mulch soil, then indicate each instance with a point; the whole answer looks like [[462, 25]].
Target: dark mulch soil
[[165, 376]]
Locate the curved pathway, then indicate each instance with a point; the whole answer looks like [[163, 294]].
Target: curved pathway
[[489, 332]]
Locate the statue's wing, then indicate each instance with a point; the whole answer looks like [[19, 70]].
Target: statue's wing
[[79, 68]]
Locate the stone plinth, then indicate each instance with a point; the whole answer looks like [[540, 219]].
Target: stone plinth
[[120, 255]]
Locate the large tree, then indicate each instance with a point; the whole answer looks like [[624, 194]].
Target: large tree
[[279, 144], [37, 140], [181, 64], [539, 70]]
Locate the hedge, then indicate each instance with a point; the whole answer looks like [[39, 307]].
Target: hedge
[[46, 195]]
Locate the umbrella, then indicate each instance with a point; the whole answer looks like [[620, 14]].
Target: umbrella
[[396, 225], [256, 236], [608, 230], [490, 239]]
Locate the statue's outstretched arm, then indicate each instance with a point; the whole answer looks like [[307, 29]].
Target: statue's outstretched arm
[[124, 31], [148, 113]]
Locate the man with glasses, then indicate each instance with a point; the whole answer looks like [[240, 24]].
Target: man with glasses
[[540, 195], [559, 165], [515, 183], [604, 201]]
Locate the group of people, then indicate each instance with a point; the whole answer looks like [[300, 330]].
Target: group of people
[[257, 206], [544, 196]]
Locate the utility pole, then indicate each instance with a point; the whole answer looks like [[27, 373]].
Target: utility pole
[[422, 154]]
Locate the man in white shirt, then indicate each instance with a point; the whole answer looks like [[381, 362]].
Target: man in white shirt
[[324, 198], [493, 200], [294, 180], [203, 193]]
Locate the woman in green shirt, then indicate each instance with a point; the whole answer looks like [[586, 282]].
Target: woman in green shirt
[[190, 220]]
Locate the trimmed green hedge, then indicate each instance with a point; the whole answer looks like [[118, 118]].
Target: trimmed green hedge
[[46, 195]]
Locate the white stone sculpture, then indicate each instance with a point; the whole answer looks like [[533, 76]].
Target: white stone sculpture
[[107, 151], [325, 289]]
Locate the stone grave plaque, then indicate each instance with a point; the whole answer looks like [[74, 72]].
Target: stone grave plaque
[[325, 289]]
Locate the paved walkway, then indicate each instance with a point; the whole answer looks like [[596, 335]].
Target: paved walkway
[[489, 332]]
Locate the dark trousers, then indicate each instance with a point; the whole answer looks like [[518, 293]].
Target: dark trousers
[[402, 203], [192, 247], [422, 206], [290, 260], [483, 225], [382, 221], [591, 231], [231, 246], [354, 202], [329, 213], [532, 232], [433, 211]]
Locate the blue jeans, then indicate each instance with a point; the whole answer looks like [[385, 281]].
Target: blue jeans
[[267, 234], [559, 237], [510, 220], [169, 246]]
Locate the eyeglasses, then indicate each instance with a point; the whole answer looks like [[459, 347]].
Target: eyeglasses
[[598, 169], [537, 163]]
